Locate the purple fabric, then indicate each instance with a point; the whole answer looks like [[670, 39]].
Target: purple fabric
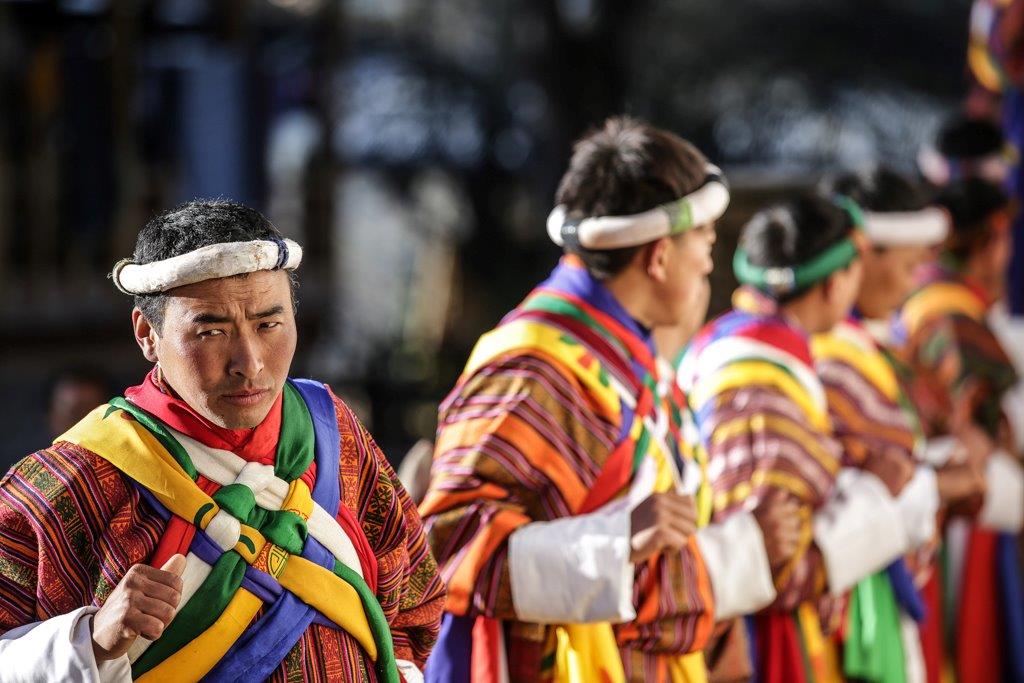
[[451, 658], [265, 644]]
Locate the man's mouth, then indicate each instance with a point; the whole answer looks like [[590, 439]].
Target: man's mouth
[[248, 397]]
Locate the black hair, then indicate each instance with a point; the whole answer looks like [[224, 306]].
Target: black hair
[[76, 374], [196, 224], [793, 232], [971, 203], [878, 188], [967, 138], [623, 168]]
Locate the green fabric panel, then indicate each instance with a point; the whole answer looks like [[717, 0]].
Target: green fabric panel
[[296, 441], [285, 529], [237, 499], [873, 650], [387, 668], [160, 432], [198, 614]]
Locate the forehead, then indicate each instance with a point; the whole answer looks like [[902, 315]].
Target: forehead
[[254, 291]]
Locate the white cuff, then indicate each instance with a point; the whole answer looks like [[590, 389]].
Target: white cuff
[[57, 649], [410, 672], [1003, 509], [574, 570], [859, 530], [737, 562], [939, 451], [919, 504]]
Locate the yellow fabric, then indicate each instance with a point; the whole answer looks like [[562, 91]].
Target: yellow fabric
[[121, 442], [336, 599], [299, 499], [689, 668], [746, 373], [198, 657], [867, 361], [587, 652], [941, 298], [821, 652], [983, 67], [525, 335]]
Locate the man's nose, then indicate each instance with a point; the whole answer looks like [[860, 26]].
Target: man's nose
[[246, 357]]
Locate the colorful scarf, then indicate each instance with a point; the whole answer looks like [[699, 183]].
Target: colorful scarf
[[568, 320], [260, 539], [752, 346]]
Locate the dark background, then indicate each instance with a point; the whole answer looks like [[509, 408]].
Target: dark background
[[412, 147]]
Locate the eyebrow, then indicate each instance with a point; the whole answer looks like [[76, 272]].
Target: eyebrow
[[210, 318]]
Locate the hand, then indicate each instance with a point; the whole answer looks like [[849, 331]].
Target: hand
[[142, 604], [664, 520], [975, 444], [959, 482], [893, 468], [780, 522]]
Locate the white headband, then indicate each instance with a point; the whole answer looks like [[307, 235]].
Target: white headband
[[940, 170], [206, 263], [703, 205], [900, 228]]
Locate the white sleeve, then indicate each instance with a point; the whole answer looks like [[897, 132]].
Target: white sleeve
[[57, 649], [939, 450], [573, 570], [737, 562], [859, 530], [919, 504], [1003, 509]]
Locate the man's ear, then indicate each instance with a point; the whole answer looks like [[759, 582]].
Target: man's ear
[[145, 336], [656, 258]]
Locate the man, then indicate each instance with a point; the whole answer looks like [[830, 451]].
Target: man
[[564, 527], [220, 521], [763, 419], [71, 394], [962, 374]]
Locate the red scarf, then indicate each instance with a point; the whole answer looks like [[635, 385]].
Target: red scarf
[[253, 445]]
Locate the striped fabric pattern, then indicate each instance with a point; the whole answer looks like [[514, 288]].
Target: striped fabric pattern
[[524, 437], [71, 525]]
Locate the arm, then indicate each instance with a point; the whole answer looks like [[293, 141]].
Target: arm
[[409, 587]]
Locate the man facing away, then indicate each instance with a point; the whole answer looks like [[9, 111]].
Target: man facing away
[[563, 516], [220, 520]]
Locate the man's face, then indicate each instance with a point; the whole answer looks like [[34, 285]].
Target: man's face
[[226, 345], [687, 266], [841, 290], [72, 400], [890, 275]]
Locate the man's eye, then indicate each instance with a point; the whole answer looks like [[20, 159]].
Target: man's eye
[[211, 333], [269, 325]]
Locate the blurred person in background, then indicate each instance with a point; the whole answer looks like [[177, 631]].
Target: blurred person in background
[[893, 623], [221, 521], [71, 393], [961, 376], [762, 418], [568, 526]]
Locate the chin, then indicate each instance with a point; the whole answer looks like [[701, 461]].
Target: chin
[[242, 418]]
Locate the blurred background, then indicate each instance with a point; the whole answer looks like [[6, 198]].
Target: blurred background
[[412, 146]]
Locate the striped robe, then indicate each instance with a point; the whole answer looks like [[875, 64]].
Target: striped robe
[[961, 372], [762, 418], [71, 525], [523, 439]]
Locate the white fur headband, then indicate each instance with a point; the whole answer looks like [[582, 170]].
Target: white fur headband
[[703, 205], [899, 228], [206, 263]]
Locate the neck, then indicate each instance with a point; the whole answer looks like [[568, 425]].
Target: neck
[[805, 313], [632, 290], [870, 306]]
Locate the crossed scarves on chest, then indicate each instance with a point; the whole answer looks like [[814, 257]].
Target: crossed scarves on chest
[[258, 536]]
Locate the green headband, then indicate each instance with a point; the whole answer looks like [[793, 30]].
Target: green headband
[[781, 281]]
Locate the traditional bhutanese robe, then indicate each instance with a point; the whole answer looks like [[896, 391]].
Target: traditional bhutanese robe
[[292, 573], [960, 369], [762, 417], [559, 413], [870, 413]]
